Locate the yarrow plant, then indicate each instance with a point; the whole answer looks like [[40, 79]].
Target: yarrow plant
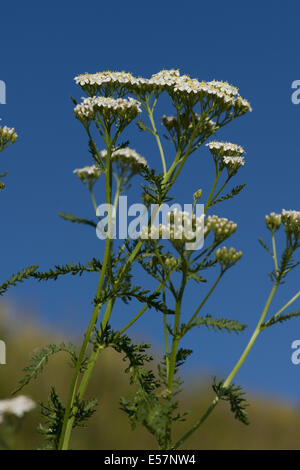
[[112, 101]]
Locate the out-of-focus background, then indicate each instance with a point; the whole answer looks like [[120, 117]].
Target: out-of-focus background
[[254, 46], [274, 425]]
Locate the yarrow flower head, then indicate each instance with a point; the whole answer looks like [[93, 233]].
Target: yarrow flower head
[[88, 174], [7, 136], [225, 149], [225, 87], [165, 78], [291, 222], [222, 227], [17, 406], [227, 155], [126, 109], [109, 82], [221, 94], [183, 88], [100, 78], [126, 160], [273, 221], [227, 257], [181, 227], [233, 163]]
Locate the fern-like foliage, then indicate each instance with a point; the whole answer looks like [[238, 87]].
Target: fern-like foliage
[[54, 411], [287, 263], [127, 292], [181, 357], [19, 277], [235, 396], [156, 191], [265, 246], [135, 354], [220, 324], [150, 406], [77, 220], [150, 412], [40, 359], [91, 266], [279, 319], [234, 192]]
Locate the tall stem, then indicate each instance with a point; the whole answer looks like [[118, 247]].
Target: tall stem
[[70, 409]]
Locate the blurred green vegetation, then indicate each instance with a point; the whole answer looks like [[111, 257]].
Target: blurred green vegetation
[[273, 425]]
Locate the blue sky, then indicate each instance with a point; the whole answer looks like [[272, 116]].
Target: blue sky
[[255, 47]]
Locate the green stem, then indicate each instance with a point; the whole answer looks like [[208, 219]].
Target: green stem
[[221, 189], [171, 369], [93, 199], [252, 339], [204, 301], [207, 205], [69, 413], [174, 349], [197, 424], [175, 343], [166, 342], [95, 354], [292, 300], [155, 133], [234, 370], [274, 253]]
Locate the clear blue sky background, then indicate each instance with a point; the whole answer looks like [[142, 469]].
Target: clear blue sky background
[[254, 46]]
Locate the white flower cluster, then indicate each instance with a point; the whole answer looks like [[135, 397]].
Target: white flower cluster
[[225, 87], [181, 227], [170, 80], [221, 92], [227, 154], [119, 78], [88, 172], [112, 81], [289, 218], [162, 79], [273, 221], [7, 136], [127, 156], [227, 257], [165, 78], [222, 227], [291, 221], [233, 162], [225, 148], [16, 406], [126, 108]]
